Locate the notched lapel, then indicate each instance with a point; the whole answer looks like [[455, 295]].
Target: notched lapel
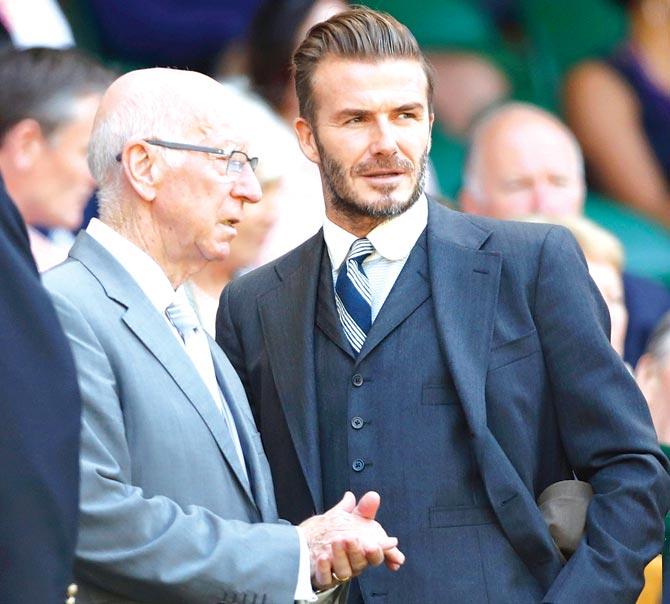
[[287, 319], [408, 293], [464, 282], [149, 327]]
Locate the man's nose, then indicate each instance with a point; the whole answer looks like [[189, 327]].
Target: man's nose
[[383, 139], [542, 198], [247, 186]]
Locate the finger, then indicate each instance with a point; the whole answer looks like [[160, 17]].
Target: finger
[[347, 503], [388, 543], [323, 575], [368, 505], [357, 557], [374, 556], [394, 556], [339, 561]]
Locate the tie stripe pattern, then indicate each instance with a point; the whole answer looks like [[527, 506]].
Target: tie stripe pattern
[[353, 297], [183, 318]]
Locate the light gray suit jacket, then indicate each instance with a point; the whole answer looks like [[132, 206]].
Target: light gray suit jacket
[[166, 514]]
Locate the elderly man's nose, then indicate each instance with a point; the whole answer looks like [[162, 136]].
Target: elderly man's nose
[[247, 186]]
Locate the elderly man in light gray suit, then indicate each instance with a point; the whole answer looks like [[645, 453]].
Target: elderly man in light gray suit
[[177, 502]]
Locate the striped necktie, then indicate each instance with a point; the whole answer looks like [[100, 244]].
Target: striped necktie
[[353, 296]]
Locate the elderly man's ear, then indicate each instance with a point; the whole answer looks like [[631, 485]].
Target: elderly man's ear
[[142, 169]]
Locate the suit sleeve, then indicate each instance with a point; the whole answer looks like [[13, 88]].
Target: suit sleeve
[[150, 548], [606, 430]]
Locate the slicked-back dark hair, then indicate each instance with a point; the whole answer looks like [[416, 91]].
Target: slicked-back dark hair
[[358, 33], [44, 83]]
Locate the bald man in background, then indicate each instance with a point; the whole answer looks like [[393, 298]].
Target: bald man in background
[[523, 161]]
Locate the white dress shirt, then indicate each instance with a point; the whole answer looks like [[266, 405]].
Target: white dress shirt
[[393, 241], [153, 282]]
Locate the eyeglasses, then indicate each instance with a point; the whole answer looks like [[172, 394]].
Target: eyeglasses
[[235, 159]]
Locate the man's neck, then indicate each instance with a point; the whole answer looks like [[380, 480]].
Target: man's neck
[[147, 238]]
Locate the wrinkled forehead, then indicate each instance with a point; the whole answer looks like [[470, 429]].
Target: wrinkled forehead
[[219, 126]]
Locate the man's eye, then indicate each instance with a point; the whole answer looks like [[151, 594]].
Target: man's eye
[[406, 115], [357, 119], [235, 165]]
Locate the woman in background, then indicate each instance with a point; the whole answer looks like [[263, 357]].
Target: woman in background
[[619, 108]]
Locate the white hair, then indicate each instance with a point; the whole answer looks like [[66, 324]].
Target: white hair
[[472, 172]]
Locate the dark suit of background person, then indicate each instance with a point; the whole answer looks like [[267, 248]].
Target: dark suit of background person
[[487, 376], [39, 438]]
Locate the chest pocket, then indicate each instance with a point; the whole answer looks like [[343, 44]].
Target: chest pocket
[[514, 350]]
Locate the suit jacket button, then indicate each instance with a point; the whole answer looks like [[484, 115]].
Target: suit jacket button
[[358, 465], [357, 379], [357, 422]]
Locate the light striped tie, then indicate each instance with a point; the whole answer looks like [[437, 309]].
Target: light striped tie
[[353, 296]]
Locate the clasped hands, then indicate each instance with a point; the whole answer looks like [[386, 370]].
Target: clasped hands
[[346, 539]]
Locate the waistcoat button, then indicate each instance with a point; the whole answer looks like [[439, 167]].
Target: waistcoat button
[[358, 465], [357, 379], [357, 422]]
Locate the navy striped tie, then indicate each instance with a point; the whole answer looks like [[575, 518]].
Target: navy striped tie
[[353, 296]]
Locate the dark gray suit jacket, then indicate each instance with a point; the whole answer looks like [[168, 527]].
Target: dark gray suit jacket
[[525, 337]]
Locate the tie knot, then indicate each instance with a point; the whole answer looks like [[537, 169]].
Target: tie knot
[[360, 250], [182, 316]]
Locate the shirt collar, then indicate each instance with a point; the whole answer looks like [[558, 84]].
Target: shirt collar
[[146, 272], [392, 239]]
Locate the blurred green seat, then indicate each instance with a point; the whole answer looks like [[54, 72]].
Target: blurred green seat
[[647, 244], [560, 33]]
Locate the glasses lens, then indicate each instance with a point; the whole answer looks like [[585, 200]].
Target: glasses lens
[[236, 162]]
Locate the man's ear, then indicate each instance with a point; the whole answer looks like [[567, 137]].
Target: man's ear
[[141, 168], [431, 122], [25, 142], [307, 140]]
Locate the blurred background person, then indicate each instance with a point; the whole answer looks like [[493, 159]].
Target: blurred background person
[[265, 70], [269, 138], [39, 438], [619, 108], [605, 258], [48, 98], [653, 377], [524, 160]]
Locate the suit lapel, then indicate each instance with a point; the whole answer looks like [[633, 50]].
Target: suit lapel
[[465, 280], [254, 487], [142, 318], [327, 318], [410, 290], [287, 319]]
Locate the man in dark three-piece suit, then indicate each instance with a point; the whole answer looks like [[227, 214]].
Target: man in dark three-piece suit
[[457, 365], [39, 438]]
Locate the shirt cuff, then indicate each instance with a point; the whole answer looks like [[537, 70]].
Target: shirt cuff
[[303, 588]]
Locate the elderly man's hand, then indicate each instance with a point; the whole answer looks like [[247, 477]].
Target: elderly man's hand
[[346, 539]]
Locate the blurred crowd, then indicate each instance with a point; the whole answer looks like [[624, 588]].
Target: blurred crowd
[[544, 111]]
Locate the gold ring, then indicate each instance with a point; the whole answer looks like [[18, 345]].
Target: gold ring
[[338, 580]]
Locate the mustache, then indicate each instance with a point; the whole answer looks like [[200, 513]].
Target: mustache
[[384, 163]]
